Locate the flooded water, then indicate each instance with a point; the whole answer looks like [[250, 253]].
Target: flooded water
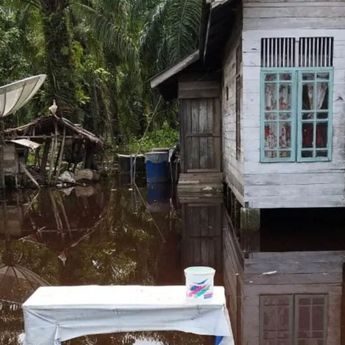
[[102, 234], [284, 284]]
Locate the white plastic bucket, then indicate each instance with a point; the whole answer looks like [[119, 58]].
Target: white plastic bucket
[[199, 282]]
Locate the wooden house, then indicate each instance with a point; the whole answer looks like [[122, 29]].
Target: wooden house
[[262, 103]]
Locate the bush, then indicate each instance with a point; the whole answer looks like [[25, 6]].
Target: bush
[[163, 137]]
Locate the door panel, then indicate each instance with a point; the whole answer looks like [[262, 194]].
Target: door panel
[[200, 135]]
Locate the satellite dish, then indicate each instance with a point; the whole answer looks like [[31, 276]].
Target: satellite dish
[[13, 96]]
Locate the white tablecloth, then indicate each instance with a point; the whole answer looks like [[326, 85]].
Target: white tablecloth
[[55, 314]]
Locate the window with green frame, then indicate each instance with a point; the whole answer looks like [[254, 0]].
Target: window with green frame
[[296, 114], [296, 99]]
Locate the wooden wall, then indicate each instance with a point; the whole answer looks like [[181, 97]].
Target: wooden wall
[[232, 167], [280, 185], [233, 277]]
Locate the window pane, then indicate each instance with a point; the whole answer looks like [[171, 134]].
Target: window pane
[[321, 153], [323, 76], [285, 135], [308, 76], [308, 97], [285, 154], [321, 116], [307, 154], [321, 134], [270, 116], [307, 135], [284, 116], [271, 135], [285, 76], [270, 96], [285, 97], [270, 154], [308, 116], [271, 77], [322, 95]]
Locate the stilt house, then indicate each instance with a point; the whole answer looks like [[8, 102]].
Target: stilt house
[[262, 102], [268, 79]]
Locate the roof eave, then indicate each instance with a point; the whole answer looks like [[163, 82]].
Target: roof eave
[[172, 71]]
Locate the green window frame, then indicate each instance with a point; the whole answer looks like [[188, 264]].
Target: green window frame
[[296, 114]]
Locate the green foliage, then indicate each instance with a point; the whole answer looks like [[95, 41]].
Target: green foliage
[[99, 56], [172, 33], [163, 137], [12, 64]]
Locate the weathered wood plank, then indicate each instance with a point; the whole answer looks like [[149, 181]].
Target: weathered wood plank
[[303, 11], [198, 89], [287, 23]]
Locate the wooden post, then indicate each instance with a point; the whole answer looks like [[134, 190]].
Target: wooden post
[[44, 159], [52, 154], [2, 143], [59, 159], [250, 229]]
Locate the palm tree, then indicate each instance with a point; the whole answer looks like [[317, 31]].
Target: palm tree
[[172, 32]]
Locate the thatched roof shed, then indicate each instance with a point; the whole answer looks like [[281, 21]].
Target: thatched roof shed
[[44, 126]]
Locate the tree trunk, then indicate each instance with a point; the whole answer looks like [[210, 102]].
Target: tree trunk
[[62, 81]]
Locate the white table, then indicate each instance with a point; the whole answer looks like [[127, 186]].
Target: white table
[[56, 314]]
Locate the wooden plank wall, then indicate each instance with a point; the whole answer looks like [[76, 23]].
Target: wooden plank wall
[[277, 185], [233, 168], [233, 277], [291, 274]]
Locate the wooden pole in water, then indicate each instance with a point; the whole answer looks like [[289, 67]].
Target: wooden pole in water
[[2, 144]]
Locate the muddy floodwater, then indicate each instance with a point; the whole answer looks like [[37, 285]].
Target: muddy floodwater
[[107, 233], [282, 288]]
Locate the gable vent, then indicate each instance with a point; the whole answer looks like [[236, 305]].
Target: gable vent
[[316, 51], [278, 52]]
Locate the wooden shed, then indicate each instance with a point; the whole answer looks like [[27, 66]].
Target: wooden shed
[[200, 122], [61, 141]]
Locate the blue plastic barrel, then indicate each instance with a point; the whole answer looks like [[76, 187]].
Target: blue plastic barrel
[[157, 167]]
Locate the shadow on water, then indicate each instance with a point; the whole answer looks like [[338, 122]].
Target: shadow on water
[[102, 234]]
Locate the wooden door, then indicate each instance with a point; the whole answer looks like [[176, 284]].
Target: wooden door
[[200, 133]]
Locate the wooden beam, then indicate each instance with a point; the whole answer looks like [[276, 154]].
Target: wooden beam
[[170, 72]]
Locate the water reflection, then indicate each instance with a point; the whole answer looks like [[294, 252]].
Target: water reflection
[[284, 298], [102, 234], [110, 233]]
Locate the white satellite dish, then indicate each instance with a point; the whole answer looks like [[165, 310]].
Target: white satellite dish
[[13, 96]]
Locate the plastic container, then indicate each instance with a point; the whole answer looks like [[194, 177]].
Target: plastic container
[[157, 167], [199, 282]]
